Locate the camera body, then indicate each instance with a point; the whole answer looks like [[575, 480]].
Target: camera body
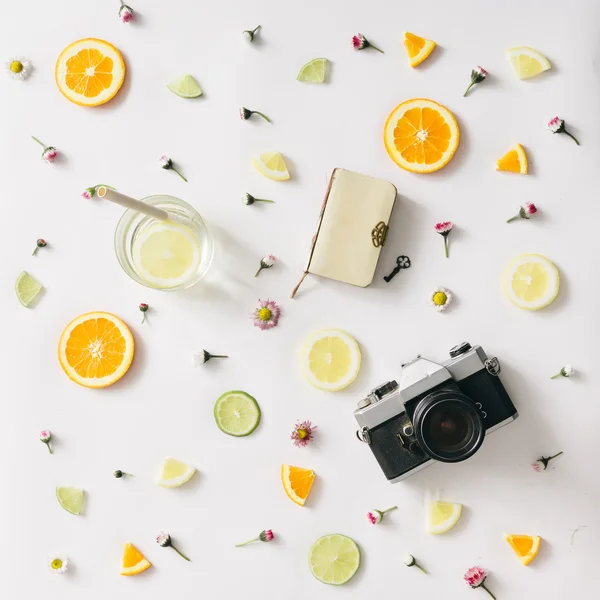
[[438, 412]]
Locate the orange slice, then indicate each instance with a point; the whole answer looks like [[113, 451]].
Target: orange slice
[[421, 135], [95, 349], [134, 562], [89, 72], [417, 48], [514, 160], [526, 547], [297, 483]]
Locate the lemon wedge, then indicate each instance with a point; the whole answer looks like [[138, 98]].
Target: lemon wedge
[[442, 516], [174, 473], [331, 359], [271, 165], [527, 62], [531, 281]]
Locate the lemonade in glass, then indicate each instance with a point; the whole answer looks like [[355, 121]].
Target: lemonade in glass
[[173, 254]]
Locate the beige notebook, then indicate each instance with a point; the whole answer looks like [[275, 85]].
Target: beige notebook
[[352, 229]]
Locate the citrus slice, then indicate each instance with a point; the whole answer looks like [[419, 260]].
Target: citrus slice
[[515, 160], [313, 71], [526, 547], [442, 516], [134, 562], [330, 359], [421, 135], [237, 413], [527, 62], [185, 87], [174, 473], [297, 483], [417, 48], [272, 166], [89, 72], [95, 349], [531, 281], [27, 289], [70, 498], [334, 559], [166, 254]]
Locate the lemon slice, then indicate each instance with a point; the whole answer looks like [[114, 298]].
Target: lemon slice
[[174, 473], [185, 87], [313, 71], [237, 413], [166, 254], [531, 281], [442, 516], [27, 289], [331, 359], [527, 62], [272, 166], [334, 559], [70, 498]]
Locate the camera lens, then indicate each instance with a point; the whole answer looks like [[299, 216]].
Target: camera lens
[[448, 426]]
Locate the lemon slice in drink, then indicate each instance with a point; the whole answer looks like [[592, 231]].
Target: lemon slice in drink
[[27, 288], [313, 71], [271, 165], [334, 559], [442, 516], [185, 87], [166, 254], [527, 62], [237, 413], [70, 498], [174, 473], [331, 359], [531, 281]]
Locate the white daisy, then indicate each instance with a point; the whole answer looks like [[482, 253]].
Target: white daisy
[[18, 67], [58, 563], [440, 298]]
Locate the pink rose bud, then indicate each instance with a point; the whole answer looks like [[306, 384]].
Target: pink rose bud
[[126, 14]]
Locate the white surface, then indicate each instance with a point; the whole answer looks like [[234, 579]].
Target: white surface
[[164, 406]]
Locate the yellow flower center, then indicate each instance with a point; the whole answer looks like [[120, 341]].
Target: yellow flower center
[[57, 563], [264, 314], [439, 298], [16, 66], [302, 433]]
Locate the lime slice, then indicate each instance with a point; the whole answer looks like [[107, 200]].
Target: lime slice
[[27, 288], [185, 87], [237, 413], [70, 498], [334, 559], [313, 71], [442, 516]]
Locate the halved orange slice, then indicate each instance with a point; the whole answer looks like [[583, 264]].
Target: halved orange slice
[[515, 160], [526, 547], [96, 349], [421, 135], [134, 562], [417, 48], [89, 72], [297, 483]]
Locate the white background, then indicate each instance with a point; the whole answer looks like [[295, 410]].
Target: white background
[[164, 406]]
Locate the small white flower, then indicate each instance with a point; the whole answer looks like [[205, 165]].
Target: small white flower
[[555, 124], [568, 370], [198, 359], [58, 563], [269, 260], [162, 538], [18, 67], [409, 561], [440, 299]]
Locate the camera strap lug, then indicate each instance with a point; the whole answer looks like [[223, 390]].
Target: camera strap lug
[[492, 366], [363, 435]]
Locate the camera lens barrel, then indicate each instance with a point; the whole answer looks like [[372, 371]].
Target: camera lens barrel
[[448, 426]]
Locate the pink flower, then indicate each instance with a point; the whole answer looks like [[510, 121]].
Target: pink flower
[[444, 228], [126, 13], [481, 71], [360, 42], [555, 124], [50, 154], [264, 536], [376, 516], [87, 194], [303, 433], [266, 315], [266, 262], [478, 74], [537, 467], [45, 435], [529, 208], [475, 577]]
